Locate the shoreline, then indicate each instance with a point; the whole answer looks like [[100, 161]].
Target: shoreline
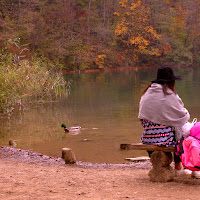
[[28, 156], [106, 69], [111, 69]]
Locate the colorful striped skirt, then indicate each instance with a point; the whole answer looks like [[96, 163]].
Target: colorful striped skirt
[[157, 134]]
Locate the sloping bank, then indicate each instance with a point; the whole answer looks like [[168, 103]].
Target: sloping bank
[[28, 156]]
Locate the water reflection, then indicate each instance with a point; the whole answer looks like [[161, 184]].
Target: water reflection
[[105, 105]]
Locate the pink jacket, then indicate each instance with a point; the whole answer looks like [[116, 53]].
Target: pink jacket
[[191, 145]]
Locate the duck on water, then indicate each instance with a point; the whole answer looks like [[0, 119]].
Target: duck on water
[[71, 129]]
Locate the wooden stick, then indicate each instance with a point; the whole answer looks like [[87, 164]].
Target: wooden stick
[[147, 147]]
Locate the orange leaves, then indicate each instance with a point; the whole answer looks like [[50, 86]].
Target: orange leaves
[[154, 52], [130, 15], [167, 1], [140, 42], [135, 30], [123, 3], [121, 27], [116, 13], [100, 60], [151, 30], [135, 5]]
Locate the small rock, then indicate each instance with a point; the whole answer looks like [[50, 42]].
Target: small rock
[[69, 156], [12, 143]]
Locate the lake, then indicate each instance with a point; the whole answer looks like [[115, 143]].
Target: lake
[[105, 105]]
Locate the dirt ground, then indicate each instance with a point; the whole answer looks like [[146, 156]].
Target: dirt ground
[[27, 175]]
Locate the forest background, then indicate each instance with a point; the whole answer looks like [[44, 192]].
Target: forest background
[[83, 34], [41, 37]]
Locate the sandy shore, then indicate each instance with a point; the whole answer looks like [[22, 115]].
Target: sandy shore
[[27, 175]]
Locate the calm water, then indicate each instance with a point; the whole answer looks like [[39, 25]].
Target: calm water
[[105, 105]]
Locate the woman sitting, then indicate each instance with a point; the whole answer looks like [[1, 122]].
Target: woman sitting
[[162, 112]]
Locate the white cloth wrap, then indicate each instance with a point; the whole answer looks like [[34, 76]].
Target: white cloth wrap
[[165, 109]]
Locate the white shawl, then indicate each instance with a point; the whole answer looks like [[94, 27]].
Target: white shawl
[[165, 109]]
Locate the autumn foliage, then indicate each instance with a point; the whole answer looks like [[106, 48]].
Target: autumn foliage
[[84, 34], [135, 30]]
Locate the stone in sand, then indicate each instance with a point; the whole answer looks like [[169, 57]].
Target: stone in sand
[[161, 171], [68, 155]]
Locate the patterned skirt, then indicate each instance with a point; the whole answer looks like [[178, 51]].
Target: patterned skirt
[[157, 134]]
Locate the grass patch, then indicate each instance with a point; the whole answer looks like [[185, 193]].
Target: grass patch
[[27, 81]]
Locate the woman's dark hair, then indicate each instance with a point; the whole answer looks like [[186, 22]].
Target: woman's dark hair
[[170, 85]]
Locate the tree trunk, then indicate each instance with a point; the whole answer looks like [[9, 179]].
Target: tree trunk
[[88, 18]]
